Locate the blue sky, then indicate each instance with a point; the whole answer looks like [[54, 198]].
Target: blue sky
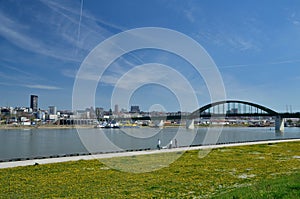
[[255, 45]]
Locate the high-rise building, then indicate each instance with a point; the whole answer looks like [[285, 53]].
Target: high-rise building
[[135, 109], [116, 109], [34, 103]]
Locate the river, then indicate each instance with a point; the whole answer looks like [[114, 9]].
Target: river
[[20, 144]]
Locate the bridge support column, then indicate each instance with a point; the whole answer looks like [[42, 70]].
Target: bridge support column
[[190, 124], [158, 123], [279, 124]]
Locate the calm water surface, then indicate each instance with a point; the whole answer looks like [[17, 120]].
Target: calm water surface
[[34, 143]]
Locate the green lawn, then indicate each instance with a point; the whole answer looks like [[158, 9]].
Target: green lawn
[[286, 186], [257, 171]]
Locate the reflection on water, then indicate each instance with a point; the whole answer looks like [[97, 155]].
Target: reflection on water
[[30, 143]]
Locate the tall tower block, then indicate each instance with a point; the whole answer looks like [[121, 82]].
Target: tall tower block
[[34, 102]]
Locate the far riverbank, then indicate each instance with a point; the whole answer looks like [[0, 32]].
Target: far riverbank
[[45, 127], [54, 126]]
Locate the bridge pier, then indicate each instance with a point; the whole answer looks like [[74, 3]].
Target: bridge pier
[[279, 124], [190, 124], [158, 123]]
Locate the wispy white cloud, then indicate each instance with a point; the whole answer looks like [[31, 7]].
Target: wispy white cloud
[[6, 84], [75, 9], [242, 44], [111, 74], [212, 30], [294, 19], [69, 73], [44, 87], [229, 40], [155, 74], [188, 9], [15, 78], [297, 23], [20, 78], [12, 31], [19, 35], [19, 72], [236, 89], [59, 22], [266, 64], [189, 14]]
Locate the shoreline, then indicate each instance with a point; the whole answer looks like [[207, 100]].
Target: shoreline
[[8, 127], [32, 162]]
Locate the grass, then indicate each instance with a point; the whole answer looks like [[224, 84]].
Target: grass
[[257, 171], [287, 186]]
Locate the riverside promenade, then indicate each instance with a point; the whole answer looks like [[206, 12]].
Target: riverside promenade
[[132, 153]]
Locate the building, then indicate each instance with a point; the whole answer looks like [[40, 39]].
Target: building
[[99, 112], [135, 109], [34, 103], [52, 110], [41, 115], [116, 109], [232, 111]]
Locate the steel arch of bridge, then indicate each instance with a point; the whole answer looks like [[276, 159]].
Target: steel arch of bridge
[[200, 111]]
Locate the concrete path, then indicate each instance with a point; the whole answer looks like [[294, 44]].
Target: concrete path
[[133, 153]]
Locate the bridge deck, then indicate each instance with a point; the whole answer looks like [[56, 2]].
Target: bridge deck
[[210, 115], [223, 109]]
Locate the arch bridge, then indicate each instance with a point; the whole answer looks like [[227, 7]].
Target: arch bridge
[[228, 108], [238, 108], [232, 108]]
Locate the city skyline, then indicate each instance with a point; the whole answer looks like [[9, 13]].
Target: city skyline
[[254, 44], [33, 104]]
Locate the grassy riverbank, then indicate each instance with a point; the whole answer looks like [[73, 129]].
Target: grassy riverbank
[[257, 171]]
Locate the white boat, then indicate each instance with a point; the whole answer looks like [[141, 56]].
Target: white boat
[[109, 125]]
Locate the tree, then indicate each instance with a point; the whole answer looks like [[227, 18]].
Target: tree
[[289, 122], [298, 123]]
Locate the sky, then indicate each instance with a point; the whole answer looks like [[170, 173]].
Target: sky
[[254, 44]]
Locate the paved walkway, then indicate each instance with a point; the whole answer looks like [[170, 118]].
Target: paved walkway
[[133, 153]]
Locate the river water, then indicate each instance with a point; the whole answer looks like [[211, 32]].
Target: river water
[[20, 144]]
